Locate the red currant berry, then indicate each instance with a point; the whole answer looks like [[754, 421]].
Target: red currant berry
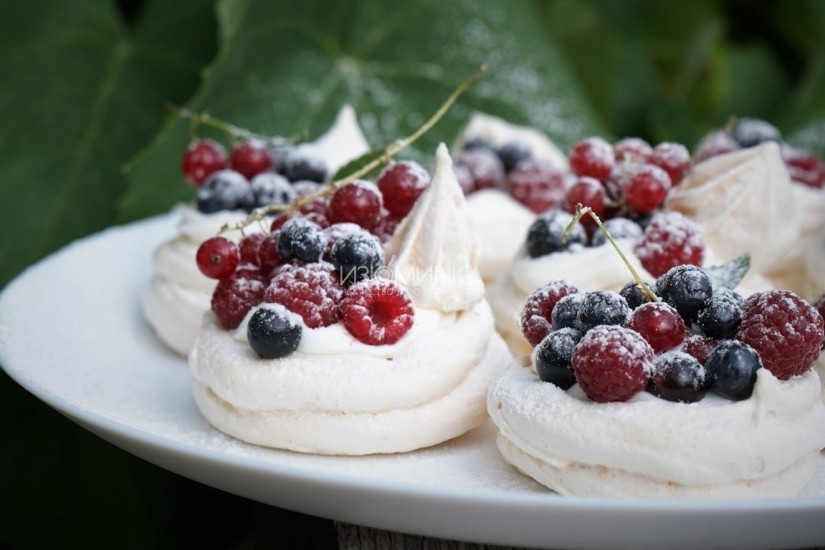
[[279, 222], [673, 158], [217, 257], [658, 323], [249, 247], [646, 188], [269, 259], [715, 144], [592, 157], [587, 192], [537, 185], [699, 346], [250, 158], [806, 168], [632, 149], [203, 157], [401, 183], [358, 202]]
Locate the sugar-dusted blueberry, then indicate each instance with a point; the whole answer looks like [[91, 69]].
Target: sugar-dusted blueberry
[[301, 240], [566, 311], [545, 234], [303, 163], [553, 357], [225, 190], [687, 288], [677, 376], [512, 153], [634, 294], [358, 255], [748, 132], [721, 315], [732, 369], [273, 331], [477, 143], [619, 228], [603, 307], [270, 188]]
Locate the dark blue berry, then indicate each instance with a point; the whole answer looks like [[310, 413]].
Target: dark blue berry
[[303, 163], [677, 376], [566, 311], [686, 288], [720, 316], [552, 357], [273, 331], [731, 369], [225, 190], [513, 152], [619, 228], [545, 234], [634, 295], [748, 132], [301, 240], [357, 256], [477, 143], [602, 307], [269, 188]]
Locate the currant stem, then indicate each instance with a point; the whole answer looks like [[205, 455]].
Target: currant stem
[[195, 118], [581, 211]]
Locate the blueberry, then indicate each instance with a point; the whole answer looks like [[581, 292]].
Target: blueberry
[[513, 152], [602, 307], [635, 296], [545, 234], [686, 288], [270, 188], [720, 316], [301, 240], [357, 256], [303, 163], [731, 369], [748, 132], [273, 331], [225, 190], [477, 143], [566, 311], [677, 376], [619, 228], [552, 357]]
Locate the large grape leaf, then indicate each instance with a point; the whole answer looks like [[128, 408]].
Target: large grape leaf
[[287, 67]]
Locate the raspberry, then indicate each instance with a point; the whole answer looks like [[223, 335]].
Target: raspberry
[[552, 357], [670, 240], [250, 158], [217, 257], [512, 153], [673, 158], [358, 202], [646, 188], [748, 132], [678, 377], [784, 329], [545, 234], [401, 183], [235, 295], [537, 314], [484, 167], [587, 192], [805, 168], [632, 149], [687, 288], [612, 363], [537, 185], [592, 157], [714, 144], [699, 346], [602, 307], [377, 311], [311, 290], [203, 157]]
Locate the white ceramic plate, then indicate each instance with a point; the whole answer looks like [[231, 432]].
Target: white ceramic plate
[[71, 332]]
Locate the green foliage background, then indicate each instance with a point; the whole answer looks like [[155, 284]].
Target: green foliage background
[[86, 142]]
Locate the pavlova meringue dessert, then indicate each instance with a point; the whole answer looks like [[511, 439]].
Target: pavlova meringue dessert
[[701, 394], [341, 349], [228, 186]]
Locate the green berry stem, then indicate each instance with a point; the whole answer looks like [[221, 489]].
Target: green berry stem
[[235, 132], [581, 211]]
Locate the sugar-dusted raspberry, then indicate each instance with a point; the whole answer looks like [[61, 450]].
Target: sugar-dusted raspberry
[[250, 158], [632, 149], [805, 168], [311, 290], [537, 185], [236, 295], [358, 202], [673, 158], [249, 246], [612, 363], [588, 192], [401, 183], [714, 144], [484, 167], [217, 257], [592, 157], [377, 311], [699, 346], [784, 329], [646, 188], [670, 240], [537, 314], [203, 157]]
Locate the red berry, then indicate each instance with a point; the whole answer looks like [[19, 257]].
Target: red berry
[[537, 185], [806, 168], [279, 222], [268, 256], [386, 228], [658, 323], [611, 363], [632, 149], [714, 144], [236, 295], [203, 157], [592, 157], [699, 347], [673, 158], [250, 158], [312, 291], [784, 329], [670, 240], [587, 192], [401, 183], [217, 257], [646, 188], [377, 311], [317, 206], [358, 202], [537, 314], [484, 168], [249, 246]]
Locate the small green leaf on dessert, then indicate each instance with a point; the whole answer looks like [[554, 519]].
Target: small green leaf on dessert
[[729, 274]]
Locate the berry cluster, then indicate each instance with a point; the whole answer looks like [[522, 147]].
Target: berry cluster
[[696, 339], [803, 166]]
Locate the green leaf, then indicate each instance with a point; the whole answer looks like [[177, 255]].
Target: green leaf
[[729, 274], [356, 164], [286, 67]]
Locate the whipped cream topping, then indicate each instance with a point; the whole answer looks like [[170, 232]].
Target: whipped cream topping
[[710, 444], [434, 252]]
